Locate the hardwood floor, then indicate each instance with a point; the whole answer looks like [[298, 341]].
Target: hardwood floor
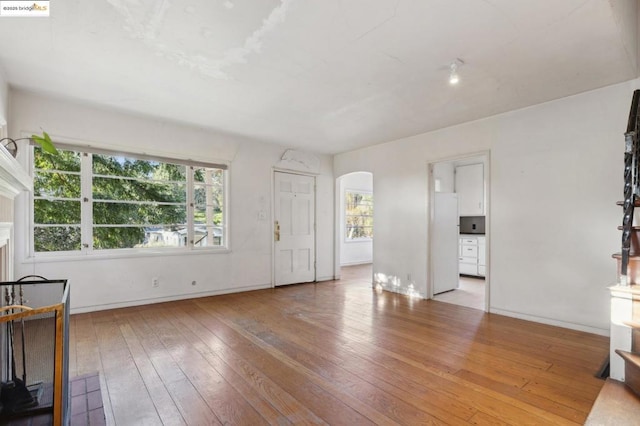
[[333, 353]]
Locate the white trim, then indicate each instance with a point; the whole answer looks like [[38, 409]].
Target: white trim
[[86, 208], [13, 178], [275, 170], [319, 279], [337, 229], [68, 256], [486, 156], [115, 149], [141, 302], [299, 161], [226, 210], [363, 262], [549, 321], [273, 226], [293, 172], [621, 337], [358, 240], [142, 156], [5, 233]]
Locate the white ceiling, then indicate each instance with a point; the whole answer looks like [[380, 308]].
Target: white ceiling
[[326, 75]]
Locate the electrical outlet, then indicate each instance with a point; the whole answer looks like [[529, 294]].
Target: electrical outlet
[[409, 277], [155, 282]]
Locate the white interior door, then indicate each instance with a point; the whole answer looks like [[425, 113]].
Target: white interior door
[[294, 228], [444, 243]]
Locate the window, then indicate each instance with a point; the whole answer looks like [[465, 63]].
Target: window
[[358, 215], [96, 201]]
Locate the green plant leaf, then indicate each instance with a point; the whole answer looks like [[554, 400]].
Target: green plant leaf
[[45, 142]]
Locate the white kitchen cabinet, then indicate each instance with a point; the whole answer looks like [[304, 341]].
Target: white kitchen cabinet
[[468, 260], [472, 259], [482, 256], [469, 185], [470, 251]]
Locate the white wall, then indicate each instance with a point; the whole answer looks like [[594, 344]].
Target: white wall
[[354, 252], [556, 173], [4, 101], [99, 283]]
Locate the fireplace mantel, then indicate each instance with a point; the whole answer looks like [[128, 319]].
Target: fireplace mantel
[[5, 233], [13, 180], [13, 177]]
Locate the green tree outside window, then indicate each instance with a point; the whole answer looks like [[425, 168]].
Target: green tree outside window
[[358, 215], [133, 203]]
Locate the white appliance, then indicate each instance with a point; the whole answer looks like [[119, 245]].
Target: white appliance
[[444, 242]]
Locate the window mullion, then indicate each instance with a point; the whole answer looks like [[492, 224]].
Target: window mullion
[[86, 209], [32, 172], [190, 208], [208, 209], [226, 217]]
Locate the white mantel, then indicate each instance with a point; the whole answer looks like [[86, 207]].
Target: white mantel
[[13, 177], [13, 180], [5, 233]]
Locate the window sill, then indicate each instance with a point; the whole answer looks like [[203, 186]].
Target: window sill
[[358, 240], [120, 254]]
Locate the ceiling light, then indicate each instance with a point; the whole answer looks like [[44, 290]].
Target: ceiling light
[[454, 78]]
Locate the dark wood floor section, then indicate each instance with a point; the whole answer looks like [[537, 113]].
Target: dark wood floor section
[[333, 353]]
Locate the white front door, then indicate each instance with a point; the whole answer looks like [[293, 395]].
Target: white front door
[[294, 228]]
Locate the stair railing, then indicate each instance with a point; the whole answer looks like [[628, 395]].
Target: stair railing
[[631, 183]]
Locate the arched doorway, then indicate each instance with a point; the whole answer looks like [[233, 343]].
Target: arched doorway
[[354, 222]]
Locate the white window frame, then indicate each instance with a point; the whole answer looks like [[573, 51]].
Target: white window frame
[[344, 213], [86, 225]]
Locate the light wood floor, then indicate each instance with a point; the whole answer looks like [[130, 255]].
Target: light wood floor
[[335, 353]]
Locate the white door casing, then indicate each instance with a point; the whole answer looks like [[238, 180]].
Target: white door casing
[[294, 228]]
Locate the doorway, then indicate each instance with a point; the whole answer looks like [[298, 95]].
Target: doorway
[[459, 231], [294, 228], [354, 217]]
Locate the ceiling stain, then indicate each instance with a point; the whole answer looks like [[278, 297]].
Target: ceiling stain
[[145, 24]]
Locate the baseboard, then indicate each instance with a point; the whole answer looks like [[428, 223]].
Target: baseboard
[[549, 321], [364, 262], [318, 279], [140, 302]]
